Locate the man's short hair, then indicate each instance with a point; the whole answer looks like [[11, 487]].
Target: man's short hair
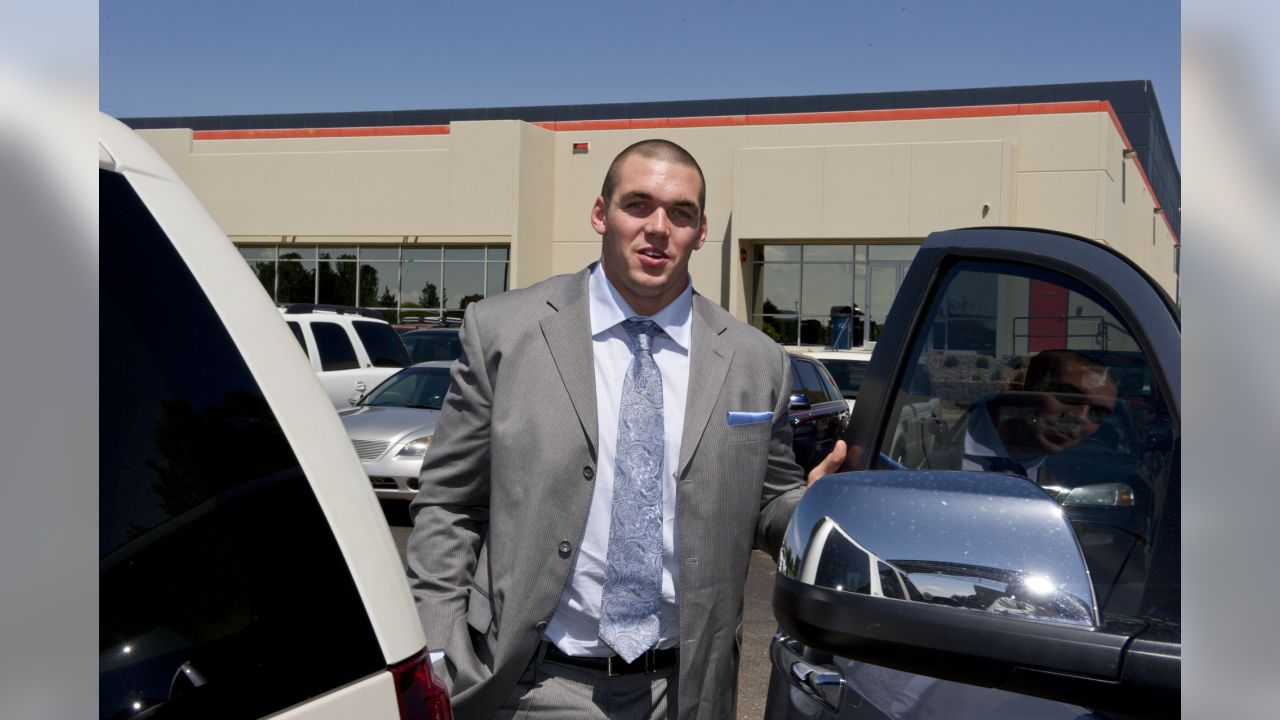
[[654, 149], [1046, 367]]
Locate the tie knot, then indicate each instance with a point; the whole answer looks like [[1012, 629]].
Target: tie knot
[[642, 331]]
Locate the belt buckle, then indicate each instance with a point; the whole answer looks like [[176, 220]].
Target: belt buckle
[[650, 663]]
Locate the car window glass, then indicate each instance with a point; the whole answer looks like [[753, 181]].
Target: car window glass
[[336, 352], [212, 546], [427, 346], [832, 392], [296, 329], [811, 385], [847, 374], [1029, 372], [415, 387], [382, 344]]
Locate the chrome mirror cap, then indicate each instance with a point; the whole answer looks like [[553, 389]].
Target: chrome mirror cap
[[985, 542]]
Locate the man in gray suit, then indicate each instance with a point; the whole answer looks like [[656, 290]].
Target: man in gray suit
[[611, 449]]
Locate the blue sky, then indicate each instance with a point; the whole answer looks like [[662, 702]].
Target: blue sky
[[177, 57]]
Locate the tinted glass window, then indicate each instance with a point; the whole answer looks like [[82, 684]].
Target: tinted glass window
[[848, 375], [222, 591], [832, 392], [424, 346], [336, 352], [414, 387], [1061, 393], [296, 329], [809, 382], [382, 344]]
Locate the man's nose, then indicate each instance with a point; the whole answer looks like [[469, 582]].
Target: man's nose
[[659, 223]]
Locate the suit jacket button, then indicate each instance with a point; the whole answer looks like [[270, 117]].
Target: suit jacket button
[[565, 548], [541, 626], [588, 472]]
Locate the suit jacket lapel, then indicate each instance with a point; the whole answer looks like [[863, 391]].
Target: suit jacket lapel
[[568, 335], [708, 368]]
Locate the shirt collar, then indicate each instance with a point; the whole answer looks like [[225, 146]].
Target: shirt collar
[[983, 440], [608, 309]]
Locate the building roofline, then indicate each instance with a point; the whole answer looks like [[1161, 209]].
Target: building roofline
[[1132, 105]]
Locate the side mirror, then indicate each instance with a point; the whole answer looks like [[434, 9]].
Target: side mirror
[[966, 576], [800, 402]]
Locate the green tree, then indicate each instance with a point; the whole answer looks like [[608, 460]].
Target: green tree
[[386, 300], [429, 297]]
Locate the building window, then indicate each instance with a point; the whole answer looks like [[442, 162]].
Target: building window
[[828, 295], [408, 283]]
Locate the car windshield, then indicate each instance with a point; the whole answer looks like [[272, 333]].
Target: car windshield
[[415, 387], [847, 374], [426, 346]]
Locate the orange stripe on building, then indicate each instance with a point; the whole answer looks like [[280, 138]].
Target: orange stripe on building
[[284, 133]]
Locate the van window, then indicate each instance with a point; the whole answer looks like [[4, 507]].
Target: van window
[[222, 590], [296, 329], [336, 351], [382, 343]]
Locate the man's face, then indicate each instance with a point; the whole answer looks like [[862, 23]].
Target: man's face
[[1073, 406], [650, 228]]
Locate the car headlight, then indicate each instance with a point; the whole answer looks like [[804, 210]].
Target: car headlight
[[415, 448]]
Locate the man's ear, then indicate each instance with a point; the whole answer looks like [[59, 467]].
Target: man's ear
[[702, 233], [598, 211]]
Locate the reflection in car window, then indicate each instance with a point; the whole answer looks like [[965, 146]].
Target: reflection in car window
[[433, 345], [336, 352], [808, 382], [1029, 372], [848, 375], [212, 546]]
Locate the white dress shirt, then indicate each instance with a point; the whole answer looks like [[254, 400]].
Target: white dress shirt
[[575, 627], [981, 439]]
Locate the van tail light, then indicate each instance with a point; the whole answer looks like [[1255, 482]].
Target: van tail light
[[420, 694]]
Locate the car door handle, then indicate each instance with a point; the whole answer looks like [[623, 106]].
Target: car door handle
[[360, 385], [821, 682], [824, 684]]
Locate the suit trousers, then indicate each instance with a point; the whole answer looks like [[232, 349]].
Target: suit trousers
[[551, 691]]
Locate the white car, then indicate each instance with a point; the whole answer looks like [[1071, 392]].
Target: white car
[[392, 426], [350, 349], [245, 570], [847, 367]]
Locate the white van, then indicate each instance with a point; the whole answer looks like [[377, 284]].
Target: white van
[[245, 568]]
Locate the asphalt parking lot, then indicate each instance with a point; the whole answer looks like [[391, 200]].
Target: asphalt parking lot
[[757, 624]]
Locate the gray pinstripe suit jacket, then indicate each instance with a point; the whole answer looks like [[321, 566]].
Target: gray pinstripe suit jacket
[[506, 485]]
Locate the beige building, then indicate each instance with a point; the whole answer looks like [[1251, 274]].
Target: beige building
[[808, 210]]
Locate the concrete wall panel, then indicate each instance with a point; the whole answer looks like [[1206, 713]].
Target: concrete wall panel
[[1056, 143], [952, 182], [482, 177], [533, 244], [866, 191], [780, 193], [1063, 201]]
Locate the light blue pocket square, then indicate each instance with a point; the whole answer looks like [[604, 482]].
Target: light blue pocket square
[[748, 418]]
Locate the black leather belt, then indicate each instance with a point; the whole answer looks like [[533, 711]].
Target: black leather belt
[[651, 661]]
